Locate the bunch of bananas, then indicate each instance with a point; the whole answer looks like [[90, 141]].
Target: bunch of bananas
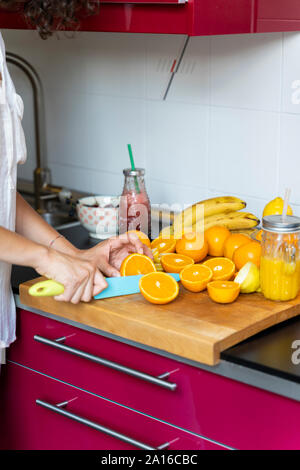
[[224, 210]]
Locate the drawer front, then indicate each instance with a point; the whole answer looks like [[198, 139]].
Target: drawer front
[[220, 409], [176, 407], [30, 419]]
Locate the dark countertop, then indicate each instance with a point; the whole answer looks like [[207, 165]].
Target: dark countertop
[[269, 352]]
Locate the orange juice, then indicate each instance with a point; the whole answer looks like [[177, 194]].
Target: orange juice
[[279, 280], [280, 260]]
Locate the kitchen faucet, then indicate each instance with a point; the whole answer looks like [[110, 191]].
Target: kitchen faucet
[[43, 190]]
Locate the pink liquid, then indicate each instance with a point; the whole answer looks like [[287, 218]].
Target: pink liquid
[[135, 212]]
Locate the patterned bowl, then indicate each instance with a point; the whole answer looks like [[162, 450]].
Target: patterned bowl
[[99, 215]]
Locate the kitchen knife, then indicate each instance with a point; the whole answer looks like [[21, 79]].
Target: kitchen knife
[[117, 286]]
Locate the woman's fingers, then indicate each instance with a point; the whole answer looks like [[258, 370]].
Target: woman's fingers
[[108, 270], [73, 290], [78, 295], [147, 251], [128, 239], [68, 293], [93, 285], [99, 283], [79, 275], [87, 293]]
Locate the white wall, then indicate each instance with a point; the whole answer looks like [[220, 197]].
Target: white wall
[[229, 125]]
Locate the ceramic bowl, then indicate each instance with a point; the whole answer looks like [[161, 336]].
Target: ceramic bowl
[[99, 215]]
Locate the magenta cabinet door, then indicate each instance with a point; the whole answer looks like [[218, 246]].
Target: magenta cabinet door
[[192, 17], [220, 409], [277, 15], [26, 424]]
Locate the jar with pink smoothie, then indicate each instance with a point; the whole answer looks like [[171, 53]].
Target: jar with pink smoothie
[[135, 208]]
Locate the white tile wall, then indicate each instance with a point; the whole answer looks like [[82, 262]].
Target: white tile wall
[[243, 151], [230, 124], [176, 143], [291, 74], [192, 82], [246, 71], [289, 163]]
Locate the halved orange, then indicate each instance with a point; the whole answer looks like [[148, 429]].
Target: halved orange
[[142, 236], [195, 277], [159, 288], [223, 292], [223, 268], [137, 264], [174, 263], [163, 245]]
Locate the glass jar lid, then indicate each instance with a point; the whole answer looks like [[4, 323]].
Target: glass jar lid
[[276, 223], [136, 172]]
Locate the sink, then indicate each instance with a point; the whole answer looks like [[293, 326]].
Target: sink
[[60, 220]]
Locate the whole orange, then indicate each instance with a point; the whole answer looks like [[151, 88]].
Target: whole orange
[[233, 242], [216, 237], [193, 244], [249, 252]]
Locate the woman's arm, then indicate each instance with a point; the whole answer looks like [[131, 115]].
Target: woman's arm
[[32, 226], [106, 256], [15, 249], [80, 277]]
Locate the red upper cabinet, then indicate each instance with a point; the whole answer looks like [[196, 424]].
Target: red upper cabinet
[[191, 17]]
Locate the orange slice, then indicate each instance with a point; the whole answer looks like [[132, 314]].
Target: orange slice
[[163, 245], [142, 236], [159, 288], [195, 277], [137, 264], [223, 268], [223, 292], [174, 263]]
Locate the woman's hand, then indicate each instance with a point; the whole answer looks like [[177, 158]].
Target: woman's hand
[[80, 277], [108, 255]]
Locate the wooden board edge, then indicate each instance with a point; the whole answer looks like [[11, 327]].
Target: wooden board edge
[[263, 325]]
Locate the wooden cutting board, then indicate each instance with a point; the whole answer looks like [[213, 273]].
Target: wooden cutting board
[[193, 326]]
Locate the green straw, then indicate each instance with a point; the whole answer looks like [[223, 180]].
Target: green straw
[[133, 167]]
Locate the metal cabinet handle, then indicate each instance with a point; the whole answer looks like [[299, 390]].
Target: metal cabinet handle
[[60, 409], [58, 344]]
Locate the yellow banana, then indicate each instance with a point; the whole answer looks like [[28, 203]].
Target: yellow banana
[[232, 221], [207, 208], [167, 232]]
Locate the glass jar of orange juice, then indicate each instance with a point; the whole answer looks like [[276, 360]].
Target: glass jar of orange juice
[[280, 258]]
